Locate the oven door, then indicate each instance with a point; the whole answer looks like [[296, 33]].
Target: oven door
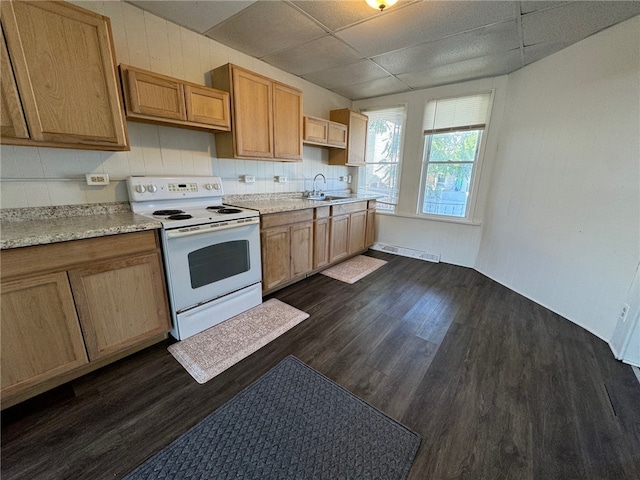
[[207, 262]]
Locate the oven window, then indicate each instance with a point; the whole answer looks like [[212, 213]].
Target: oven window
[[217, 262]]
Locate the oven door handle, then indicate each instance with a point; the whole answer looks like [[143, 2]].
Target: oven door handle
[[200, 230]]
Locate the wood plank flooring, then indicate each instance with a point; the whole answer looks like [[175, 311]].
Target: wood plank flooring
[[498, 386]]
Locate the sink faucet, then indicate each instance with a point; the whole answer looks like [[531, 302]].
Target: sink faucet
[[318, 192]]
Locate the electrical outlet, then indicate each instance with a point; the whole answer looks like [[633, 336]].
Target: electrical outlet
[[97, 178], [624, 312], [249, 178]]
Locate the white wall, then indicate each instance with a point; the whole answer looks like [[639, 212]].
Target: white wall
[[48, 176], [563, 217], [455, 242]]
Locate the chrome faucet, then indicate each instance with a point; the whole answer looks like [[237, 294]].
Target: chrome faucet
[[318, 192]]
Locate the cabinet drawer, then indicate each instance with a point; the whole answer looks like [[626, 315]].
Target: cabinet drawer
[[59, 256], [322, 212], [348, 208], [286, 218]]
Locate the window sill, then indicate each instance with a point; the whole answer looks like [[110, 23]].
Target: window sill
[[461, 221]]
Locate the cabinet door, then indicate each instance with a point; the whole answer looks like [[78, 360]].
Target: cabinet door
[[13, 123], [301, 249], [316, 130], [339, 233], [208, 106], [357, 139], [41, 336], [357, 231], [321, 243], [337, 135], [287, 122], [154, 95], [63, 61], [252, 110], [120, 303], [371, 228], [276, 256]]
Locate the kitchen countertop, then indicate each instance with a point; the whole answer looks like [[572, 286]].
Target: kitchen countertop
[[266, 205], [23, 227]]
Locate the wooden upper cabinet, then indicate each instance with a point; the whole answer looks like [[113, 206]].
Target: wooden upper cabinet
[[354, 154], [62, 58], [156, 98], [13, 122], [266, 116], [287, 122], [324, 133]]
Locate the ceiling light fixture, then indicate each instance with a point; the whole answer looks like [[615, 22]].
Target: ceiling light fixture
[[381, 4]]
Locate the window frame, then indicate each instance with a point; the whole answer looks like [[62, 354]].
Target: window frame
[[476, 171], [388, 207]]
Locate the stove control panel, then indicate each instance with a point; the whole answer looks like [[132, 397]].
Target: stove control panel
[[166, 188]]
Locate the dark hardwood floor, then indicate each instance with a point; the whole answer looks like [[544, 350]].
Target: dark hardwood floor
[[498, 386]]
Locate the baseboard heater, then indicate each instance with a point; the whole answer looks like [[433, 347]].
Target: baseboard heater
[[407, 252]]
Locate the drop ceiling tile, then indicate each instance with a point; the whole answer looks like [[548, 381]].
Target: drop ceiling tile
[[198, 16], [335, 15], [265, 28], [480, 42], [374, 88], [319, 54], [574, 21], [489, 66], [347, 75], [422, 22]]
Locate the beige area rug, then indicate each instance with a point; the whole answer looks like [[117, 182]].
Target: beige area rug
[[212, 351], [352, 270]]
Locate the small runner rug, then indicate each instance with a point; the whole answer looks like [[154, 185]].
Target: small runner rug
[[352, 270], [291, 423], [212, 351]]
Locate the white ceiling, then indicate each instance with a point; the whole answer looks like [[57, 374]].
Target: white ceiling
[[355, 51]]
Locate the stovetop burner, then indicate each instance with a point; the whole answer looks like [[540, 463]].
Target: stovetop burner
[[164, 213], [181, 216], [215, 207], [229, 210]]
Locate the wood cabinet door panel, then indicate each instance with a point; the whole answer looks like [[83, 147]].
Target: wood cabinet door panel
[[252, 110], [120, 303], [64, 66], [276, 256], [371, 228], [287, 122], [316, 130], [154, 95], [301, 249], [357, 231], [41, 336], [337, 135], [357, 142], [321, 243], [339, 235], [13, 123], [208, 106]]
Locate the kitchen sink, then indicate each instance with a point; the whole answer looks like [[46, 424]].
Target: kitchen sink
[[326, 198]]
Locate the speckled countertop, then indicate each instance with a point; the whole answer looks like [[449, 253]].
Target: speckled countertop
[[23, 227], [266, 204]]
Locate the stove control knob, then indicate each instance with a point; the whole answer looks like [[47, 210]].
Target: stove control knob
[[140, 189], [216, 186], [152, 188], [208, 186]]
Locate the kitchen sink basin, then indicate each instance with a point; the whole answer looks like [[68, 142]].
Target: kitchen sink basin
[[326, 198]]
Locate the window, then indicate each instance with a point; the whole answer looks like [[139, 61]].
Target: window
[[381, 174], [453, 134]]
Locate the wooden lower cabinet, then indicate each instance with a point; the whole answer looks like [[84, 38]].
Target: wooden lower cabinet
[[287, 247], [41, 336], [339, 238], [71, 307], [357, 231], [370, 233], [321, 237]]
